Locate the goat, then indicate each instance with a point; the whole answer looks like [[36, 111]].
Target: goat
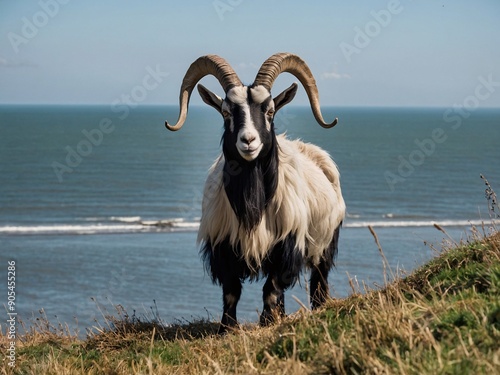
[[271, 205]]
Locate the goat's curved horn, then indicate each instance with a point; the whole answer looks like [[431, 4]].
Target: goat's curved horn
[[210, 64], [288, 62]]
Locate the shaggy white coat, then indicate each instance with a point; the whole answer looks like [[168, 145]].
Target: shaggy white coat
[[308, 203]]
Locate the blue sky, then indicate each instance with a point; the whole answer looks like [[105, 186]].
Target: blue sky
[[363, 53]]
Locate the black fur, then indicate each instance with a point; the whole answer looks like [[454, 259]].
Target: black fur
[[284, 260], [223, 260], [282, 267]]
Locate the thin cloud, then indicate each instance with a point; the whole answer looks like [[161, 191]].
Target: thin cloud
[[244, 65], [5, 63], [335, 75]]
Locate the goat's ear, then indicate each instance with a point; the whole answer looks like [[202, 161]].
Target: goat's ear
[[285, 97], [210, 98]]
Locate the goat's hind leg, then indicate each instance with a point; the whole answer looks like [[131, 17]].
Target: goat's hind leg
[[319, 290], [273, 295]]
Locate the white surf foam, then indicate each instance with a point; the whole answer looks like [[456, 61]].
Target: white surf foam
[[414, 223], [69, 229], [134, 224]]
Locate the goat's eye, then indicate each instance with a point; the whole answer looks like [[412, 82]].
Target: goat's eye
[[226, 114], [270, 113]]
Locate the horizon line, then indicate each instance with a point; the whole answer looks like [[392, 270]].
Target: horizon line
[[143, 105]]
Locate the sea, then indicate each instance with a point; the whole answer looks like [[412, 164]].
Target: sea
[[99, 210]]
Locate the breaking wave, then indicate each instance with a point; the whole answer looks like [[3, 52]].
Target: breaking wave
[[94, 225], [135, 224]]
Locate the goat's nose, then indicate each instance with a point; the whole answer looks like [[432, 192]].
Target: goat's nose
[[247, 138]]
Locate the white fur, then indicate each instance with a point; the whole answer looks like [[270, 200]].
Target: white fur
[[238, 95], [259, 94], [249, 151], [308, 204]]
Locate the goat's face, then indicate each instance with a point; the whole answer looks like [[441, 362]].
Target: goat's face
[[248, 113]]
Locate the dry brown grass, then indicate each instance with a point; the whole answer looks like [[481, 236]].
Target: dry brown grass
[[442, 318]]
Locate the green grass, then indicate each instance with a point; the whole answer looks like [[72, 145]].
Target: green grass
[[443, 318]]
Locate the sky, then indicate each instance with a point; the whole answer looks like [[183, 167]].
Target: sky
[[363, 53]]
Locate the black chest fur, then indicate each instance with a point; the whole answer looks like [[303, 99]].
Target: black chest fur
[[250, 186]]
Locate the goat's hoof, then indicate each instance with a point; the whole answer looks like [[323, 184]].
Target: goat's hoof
[[225, 329], [269, 317]]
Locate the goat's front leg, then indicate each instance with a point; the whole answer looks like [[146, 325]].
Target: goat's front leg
[[231, 292], [283, 268]]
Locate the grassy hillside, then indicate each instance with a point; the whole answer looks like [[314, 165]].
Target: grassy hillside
[[444, 318]]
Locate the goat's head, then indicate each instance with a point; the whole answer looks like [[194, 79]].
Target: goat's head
[[248, 111]]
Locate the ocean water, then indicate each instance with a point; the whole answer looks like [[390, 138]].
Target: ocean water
[[98, 207]]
